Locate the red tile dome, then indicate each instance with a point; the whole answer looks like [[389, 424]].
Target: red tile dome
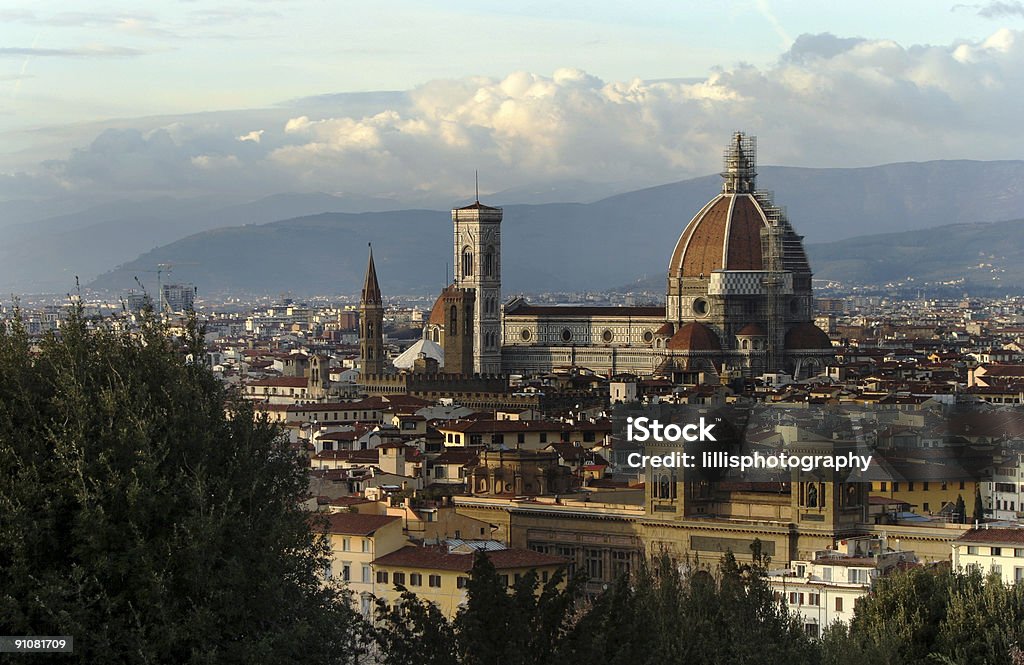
[[694, 337], [807, 336]]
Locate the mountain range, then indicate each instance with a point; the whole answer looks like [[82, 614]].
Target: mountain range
[[316, 243]]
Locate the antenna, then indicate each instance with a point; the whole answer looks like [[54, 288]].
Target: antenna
[[476, 175]]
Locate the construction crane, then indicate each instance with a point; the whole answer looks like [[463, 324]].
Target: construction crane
[[162, 270]]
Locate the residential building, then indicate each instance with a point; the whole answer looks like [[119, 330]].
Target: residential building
[[440, 573], [998, 550]]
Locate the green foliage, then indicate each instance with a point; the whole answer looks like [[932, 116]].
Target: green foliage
[[140, 519], [925, 617], [413, 631], [523, 626], [979, 507], [681, 612]]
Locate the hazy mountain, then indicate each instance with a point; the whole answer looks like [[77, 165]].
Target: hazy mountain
[[986, 256], [550, 246], [46, 254], [979, 258]]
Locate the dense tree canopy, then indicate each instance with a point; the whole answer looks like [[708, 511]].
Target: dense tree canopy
[[138, 518]]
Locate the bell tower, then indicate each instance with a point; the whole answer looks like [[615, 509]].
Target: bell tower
[[478, 267], [371, 324]]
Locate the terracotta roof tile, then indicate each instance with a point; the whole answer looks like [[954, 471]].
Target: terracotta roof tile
[[438, 558], [357, 524]]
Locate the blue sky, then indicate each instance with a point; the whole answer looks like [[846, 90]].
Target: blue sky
[[69, 73]]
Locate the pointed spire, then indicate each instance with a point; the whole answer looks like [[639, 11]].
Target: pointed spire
[[371, 289]]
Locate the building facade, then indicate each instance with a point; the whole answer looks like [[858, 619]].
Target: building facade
[[738, 300]]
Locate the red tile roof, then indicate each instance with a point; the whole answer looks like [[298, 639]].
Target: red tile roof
[[438, 558], [281, 382], [994, 536], [694, 336], [357, 524]]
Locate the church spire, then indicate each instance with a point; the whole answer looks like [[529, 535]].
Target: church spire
[[371, 289], [371, 324]]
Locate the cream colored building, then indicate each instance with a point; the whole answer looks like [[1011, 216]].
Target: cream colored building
[[823, 589], [738, 300], [999, 551]]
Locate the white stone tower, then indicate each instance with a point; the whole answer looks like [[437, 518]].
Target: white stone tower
[[478, 266]]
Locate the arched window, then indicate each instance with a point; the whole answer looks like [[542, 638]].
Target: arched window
[[489, 262], [746, 344], [467, 262], [453, 320]]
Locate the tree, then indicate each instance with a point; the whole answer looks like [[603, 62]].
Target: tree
[[961, 509], [923, 617], [140, 518], [674, 611], [979, 507], [524, 627], [413, 631]]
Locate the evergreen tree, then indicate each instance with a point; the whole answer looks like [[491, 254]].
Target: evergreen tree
[[139, 518], [413, 631], [681, 612], [920, 617], [979, 507], [961, 509], [485, 625], [524, 627]]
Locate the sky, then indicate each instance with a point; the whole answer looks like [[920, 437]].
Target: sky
[[399, 99]]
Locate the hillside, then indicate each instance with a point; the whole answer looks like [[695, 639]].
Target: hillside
[[598, 245]]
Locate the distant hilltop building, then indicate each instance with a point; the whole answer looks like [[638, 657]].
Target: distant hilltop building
[[738, 300]]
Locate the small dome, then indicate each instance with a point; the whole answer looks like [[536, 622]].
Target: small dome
[[805, 336], [437, 312], [422, 348], [751, 330], [664, 331], [694, 337]]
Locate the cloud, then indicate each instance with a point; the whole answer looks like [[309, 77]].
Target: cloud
[[824, 45], [253, 136], [1002, 9], [81, 52], [828, 101]]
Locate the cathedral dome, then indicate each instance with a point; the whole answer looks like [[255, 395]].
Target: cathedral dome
[[724, 235], [694, 337], [807, 336]]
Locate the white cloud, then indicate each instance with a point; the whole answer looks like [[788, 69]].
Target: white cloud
[[253, 136], [828, 101]]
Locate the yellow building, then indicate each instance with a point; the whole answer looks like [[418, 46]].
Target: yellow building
[[440, 575], [927, 496], [356, 540]]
